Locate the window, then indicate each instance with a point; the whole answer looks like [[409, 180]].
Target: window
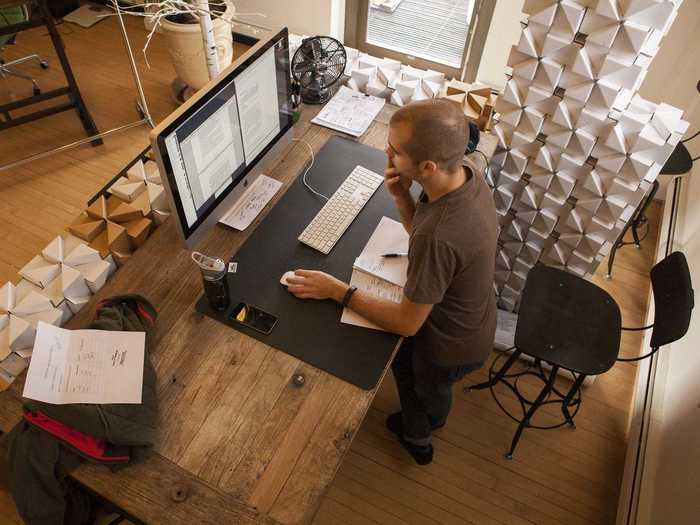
[[444, 35]]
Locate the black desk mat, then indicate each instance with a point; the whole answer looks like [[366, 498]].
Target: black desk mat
[[307, 329]]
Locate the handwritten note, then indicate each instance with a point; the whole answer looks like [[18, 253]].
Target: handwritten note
[[85, 366], [251, 203], [375, 286]]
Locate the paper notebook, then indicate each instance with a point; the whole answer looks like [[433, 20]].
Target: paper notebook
[[382, 276]]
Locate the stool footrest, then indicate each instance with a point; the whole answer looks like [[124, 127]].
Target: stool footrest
[[570, 399]]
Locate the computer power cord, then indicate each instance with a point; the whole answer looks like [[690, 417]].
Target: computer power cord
[[303, 178]]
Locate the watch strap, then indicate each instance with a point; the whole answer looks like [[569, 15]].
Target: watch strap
[[346, 298]]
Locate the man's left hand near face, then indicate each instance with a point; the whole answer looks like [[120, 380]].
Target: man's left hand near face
[[310, 284]]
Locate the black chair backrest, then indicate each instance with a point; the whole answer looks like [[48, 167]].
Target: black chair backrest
[[673, 299]]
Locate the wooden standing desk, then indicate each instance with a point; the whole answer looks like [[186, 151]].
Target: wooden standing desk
[[239, 442]]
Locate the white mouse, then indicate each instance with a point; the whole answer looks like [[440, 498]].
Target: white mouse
[[287, 275]]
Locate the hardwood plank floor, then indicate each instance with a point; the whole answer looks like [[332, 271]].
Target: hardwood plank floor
[[558, 476]]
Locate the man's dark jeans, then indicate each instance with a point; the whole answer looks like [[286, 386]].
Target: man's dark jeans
[[425, 391]]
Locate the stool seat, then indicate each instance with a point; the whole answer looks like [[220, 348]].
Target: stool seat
[[568, 321]]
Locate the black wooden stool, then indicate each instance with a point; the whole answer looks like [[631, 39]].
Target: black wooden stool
[[566, 323]]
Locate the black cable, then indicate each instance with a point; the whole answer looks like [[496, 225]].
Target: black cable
[[696, 158], [641, 239], [691, 137], [486, 160], [639, 329]]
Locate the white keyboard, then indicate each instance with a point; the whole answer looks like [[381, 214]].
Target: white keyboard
[[345, 204]]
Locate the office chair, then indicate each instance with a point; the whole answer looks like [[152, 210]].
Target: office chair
[[8, 17], [673, 303], [564, 322]]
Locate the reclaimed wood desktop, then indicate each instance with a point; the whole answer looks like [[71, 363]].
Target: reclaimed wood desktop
[[238, 441]]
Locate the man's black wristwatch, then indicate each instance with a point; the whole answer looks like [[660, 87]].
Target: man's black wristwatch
[[348, 295]]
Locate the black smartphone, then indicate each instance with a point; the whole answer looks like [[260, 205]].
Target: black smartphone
[[254, 318]]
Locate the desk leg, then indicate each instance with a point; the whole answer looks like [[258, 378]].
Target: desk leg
[[75, 96]]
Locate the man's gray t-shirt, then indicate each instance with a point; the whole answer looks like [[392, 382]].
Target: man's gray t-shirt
[[451, 262]]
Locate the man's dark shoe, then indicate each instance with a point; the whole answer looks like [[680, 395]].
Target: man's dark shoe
[[421, 455]]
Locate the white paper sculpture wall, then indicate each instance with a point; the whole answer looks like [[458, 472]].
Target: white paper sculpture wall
[[578, 148], [389, 79]]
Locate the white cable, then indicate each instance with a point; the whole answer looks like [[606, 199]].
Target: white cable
[[303, 178]]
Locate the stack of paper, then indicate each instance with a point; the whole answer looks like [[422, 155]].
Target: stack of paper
[[349, 112], [382, 276]]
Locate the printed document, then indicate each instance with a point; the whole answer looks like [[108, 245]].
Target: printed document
[[376, 286], [382, 276], [86, 366], [251, 203], [349, 111]]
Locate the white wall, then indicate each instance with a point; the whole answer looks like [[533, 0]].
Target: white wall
[[671, 476], [308, 17], [503, 33]]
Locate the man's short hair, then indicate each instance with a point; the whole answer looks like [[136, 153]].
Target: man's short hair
[[439, 131]]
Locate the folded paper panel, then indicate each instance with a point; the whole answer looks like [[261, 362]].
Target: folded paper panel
[[53, 291], [609, 9], [21, 334], [97, 273], [126, 189], [32, 303], [86, 227], [568, 18], [545, 15], [8, 297], [540, 177], [629, 41], [599, 29], [40, 271], [653, 14]]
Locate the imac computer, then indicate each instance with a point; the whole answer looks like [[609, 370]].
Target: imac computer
[[215, 145]]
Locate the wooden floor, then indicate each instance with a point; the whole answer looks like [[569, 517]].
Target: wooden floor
[[558, 476]]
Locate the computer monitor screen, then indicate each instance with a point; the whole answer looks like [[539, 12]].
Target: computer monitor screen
[[211, 146]]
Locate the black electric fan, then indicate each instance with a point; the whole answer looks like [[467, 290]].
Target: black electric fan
[[317, 64]]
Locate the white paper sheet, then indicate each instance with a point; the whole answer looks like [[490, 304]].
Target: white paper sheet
[[505, 329], [86, 366], [374, 285], [251, 202], [389, 237], [349, 111]]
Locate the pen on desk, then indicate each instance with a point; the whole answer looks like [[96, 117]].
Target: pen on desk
[[395, 255]]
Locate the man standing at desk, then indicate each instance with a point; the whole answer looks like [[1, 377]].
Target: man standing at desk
[[448, 310]]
